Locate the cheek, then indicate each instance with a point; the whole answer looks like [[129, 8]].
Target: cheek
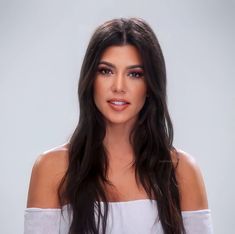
[[141, 95], [140, 92], [99, 85], [99, 91]]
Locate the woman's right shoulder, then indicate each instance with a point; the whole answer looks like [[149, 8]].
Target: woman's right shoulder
[[47, 172], [53, 160]]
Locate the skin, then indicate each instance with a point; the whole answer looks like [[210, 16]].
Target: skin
[[120, 75], [117, 82]]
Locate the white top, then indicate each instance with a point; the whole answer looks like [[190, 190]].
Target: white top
[[136, 216]]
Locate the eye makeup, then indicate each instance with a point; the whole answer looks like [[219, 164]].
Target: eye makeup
[[136, 73], [107, 69], [104, 70]]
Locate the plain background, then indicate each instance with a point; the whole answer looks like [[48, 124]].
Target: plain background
[[42, 44]]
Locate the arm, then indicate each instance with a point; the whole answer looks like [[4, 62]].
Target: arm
[[42, 214], [47, 172], [191, 184], [194, 204]]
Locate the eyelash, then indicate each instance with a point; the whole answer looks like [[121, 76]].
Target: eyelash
[[107, 72]]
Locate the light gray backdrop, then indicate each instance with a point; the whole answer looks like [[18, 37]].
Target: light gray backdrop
[[42, 44]]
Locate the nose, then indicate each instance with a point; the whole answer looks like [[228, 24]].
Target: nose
[[119, 83]]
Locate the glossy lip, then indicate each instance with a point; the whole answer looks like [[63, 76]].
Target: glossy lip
[[118, 100], [118, 107]]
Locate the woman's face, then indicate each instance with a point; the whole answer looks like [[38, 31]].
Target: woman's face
[[120, 87]]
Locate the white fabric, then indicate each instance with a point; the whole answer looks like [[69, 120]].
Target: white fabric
[[129, 217]]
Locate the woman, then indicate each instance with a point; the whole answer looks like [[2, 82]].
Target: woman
[[119, 173]]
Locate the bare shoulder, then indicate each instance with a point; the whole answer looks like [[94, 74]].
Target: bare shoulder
[[47, 172], [190, 180]]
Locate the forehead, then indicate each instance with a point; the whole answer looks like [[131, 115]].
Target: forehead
[[124, 54]]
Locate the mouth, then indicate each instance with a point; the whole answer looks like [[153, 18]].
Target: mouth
[[118, 105], [118, 101]]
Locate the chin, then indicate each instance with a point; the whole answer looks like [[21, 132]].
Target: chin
[[121, 120]]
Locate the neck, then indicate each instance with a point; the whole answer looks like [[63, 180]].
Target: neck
[[117, 141]]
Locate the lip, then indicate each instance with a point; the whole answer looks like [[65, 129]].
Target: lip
[[118, 107], [118, 100]]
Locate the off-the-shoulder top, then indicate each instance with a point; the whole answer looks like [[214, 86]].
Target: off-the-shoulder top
[[129, 217]]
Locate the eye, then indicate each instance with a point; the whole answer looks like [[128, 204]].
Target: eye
[[136, 74], [105, 71]]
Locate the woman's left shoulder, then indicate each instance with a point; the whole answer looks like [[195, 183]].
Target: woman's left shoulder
[[190, 181]]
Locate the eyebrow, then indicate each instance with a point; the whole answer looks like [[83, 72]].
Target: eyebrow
[[129, 67]]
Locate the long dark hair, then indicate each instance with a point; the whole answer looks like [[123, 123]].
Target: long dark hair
[[151, 137]]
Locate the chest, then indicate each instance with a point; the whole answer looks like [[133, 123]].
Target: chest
[[125, 186]]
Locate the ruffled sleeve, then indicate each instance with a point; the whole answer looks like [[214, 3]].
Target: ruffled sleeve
[[198, 221], [45, 221]]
